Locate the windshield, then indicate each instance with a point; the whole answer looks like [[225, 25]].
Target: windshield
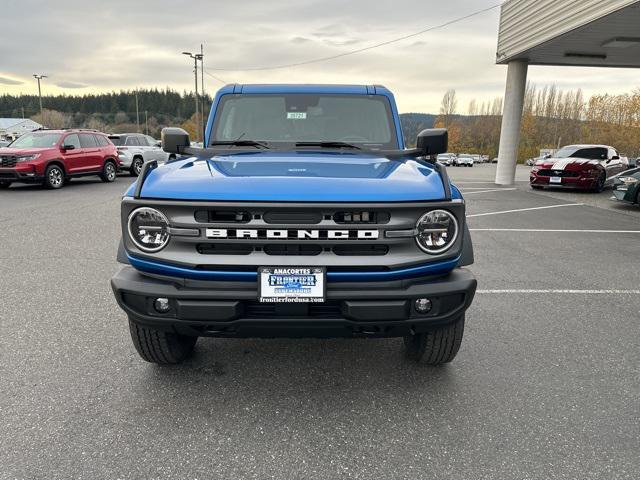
[[591, 153], [36, 140], [363, 120]]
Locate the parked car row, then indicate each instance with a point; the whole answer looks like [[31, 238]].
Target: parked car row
[[462, 159], [53, 157]]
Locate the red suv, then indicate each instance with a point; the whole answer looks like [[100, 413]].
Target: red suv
[[52, 157]]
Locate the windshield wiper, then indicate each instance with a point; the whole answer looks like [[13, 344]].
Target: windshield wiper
[[327, 145], [240, 143]]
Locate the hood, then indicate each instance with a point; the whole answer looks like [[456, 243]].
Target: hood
[[21, 151], [294, 177], [571, 163]]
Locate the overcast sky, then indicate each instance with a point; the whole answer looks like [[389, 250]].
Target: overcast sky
[[91, 46]]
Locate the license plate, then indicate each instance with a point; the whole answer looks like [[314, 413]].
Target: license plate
[[292, 284], [555, 180]]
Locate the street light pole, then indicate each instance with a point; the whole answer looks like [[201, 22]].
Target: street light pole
[[137, 113], [38, 78], [196, 57], [204, 129]]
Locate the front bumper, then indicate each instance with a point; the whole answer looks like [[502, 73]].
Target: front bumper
[[22, 174], [125, 161], [580, 183], [231, 309], [625, 193]]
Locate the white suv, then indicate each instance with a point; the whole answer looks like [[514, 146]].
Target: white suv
[[134, 149]]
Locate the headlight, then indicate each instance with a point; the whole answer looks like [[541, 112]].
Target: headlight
[[629, 180], [437, 231], [149, 229], [27, 158]]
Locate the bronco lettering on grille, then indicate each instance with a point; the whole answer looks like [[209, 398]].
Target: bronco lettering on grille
[[275, 234]]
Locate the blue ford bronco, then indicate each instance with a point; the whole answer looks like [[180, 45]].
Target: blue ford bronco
[[304, 215]]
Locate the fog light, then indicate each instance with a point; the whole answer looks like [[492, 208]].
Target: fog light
[[423, 305], [162, 305]]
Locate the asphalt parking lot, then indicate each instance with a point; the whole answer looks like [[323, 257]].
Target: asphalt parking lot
[[546, 384]]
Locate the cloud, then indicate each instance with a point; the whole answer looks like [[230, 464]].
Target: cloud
[[64, 84], [300, 40], [341, 42], [10, 81], [112, 51]]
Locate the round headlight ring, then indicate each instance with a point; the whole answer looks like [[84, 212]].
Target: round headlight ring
[[160, 221], [436, 218]]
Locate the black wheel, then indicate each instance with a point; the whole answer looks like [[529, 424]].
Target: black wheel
[[4, 185], [136, 166], [602, 179], [108, 174], [435, 347], [156, 346], [54, 177], [172, 157]]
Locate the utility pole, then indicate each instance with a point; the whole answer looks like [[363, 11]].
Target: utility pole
[[137, 113], [38, 78], [146, 123], [196, 57], [204, 132]]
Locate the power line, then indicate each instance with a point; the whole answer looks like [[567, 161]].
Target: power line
[[215, 78], [359, 50]]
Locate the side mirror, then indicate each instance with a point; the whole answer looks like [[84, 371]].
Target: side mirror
[[433, 141], [68, 147], [547, 155], [174, 140], [158, 144]]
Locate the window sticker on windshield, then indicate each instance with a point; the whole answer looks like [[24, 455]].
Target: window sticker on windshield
[[296, 115]]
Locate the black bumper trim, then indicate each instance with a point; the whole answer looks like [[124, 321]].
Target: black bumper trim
[[350, 310]]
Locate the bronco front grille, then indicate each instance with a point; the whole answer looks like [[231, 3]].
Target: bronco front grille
[[341, 237], [8, 161], [290, 249]]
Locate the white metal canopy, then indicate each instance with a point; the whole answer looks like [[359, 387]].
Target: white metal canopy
[[600, 33]]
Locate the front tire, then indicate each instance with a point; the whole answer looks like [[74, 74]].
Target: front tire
[[600, 183], [108, 174], [157, 346], [437, 346], [136, 166], [54, 177]]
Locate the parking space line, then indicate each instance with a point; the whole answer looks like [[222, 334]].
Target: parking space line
[[525, 209], [562, 291], [492, 190], [551, 230]]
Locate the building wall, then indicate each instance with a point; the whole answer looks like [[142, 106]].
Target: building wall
[[20, 128], [527, 23]]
